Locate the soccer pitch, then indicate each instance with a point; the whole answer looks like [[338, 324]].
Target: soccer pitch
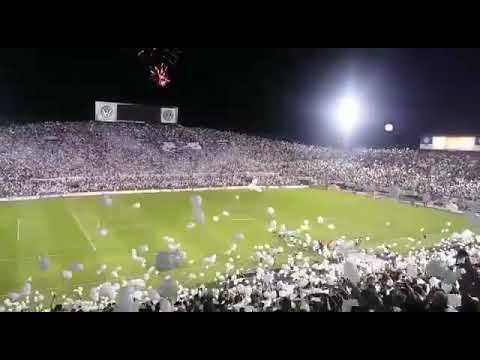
[[66, 230]]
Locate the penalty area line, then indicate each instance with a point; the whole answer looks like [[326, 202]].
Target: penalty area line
[[18, 229], [84, 232]]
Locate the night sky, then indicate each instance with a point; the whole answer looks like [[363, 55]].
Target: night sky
[[272, 92]]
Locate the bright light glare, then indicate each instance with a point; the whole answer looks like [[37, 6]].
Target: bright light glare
[[348, 113]]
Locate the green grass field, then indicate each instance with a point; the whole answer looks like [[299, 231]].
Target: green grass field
[[65, 230]]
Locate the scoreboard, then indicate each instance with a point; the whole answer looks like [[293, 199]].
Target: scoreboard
[[134, 113], [450, 143]]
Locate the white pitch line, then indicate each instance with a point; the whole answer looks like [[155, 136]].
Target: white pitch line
[[84, 232], [15, 259], [244, 219], [18, 229], [133, 226]]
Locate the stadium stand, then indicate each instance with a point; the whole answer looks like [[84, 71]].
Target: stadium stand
[[100, 157]]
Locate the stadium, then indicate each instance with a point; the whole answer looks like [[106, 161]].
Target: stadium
[[135, 212]]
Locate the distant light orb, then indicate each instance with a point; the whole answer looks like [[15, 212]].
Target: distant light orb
[[389, 128]]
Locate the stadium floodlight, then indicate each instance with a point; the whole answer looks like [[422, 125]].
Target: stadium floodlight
[[389, 128], [348, 113]]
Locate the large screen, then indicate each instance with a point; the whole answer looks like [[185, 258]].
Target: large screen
[[122, 112], [450, 143]]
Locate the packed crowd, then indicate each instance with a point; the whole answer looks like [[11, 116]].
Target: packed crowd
[[39, 159], [337, 278], [46, 158], [443, 279]]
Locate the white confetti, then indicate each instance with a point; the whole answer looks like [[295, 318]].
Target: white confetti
[[238, 237], [103, 232], [44, 263], [137, 205], [107, 201]]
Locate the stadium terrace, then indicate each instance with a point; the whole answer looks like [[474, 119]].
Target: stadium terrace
[[254, 258], [58, 158]]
